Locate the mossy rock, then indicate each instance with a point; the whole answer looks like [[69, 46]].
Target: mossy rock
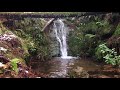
[[0, 31], [78, 72], [117, 32]]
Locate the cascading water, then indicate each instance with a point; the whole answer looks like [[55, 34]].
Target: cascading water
[[60, 32]]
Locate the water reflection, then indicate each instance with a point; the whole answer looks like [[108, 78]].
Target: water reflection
[[58, 67]]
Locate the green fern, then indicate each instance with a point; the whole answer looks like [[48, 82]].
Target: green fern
[[110, 55], [14, 65]]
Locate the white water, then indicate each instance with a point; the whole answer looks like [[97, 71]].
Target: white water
[[60, 32]]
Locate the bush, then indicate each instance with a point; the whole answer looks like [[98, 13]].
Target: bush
[[14, 65], [109, 55], [82, 45]]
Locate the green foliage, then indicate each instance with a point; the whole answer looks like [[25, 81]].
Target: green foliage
[[0, 31], [110, 55], [2, 28], [117, 31], [101, 51], [30, 30], [88, 28], [14, 65], [43, 53], [74, 43], [96, 25], [82, 45], [88, 34]]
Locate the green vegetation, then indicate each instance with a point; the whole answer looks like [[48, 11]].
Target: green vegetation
[[30, 30], [90, 32], [117, 32], [110, 55], [94, 36], [82, 45], [14, 65], [87, 35]]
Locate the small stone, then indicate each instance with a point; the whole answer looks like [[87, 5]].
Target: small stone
[[26, 71], [71, 63], [1, 65], [38, 77], [3, 49]]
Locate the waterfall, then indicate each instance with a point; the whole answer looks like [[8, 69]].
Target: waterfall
[[60, 32]]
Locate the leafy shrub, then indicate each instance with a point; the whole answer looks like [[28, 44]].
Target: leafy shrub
[[14, 65], [82, 45], [109, 55]]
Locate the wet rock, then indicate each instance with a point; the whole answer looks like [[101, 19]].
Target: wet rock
[[103, 76], [116, 76], [59, 74], [1, 65], [78, 72]]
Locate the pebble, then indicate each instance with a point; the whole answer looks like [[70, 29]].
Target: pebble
[[38, 77]]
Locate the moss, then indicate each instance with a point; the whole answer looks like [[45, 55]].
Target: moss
[[9, 55], [0, 31], [24, 45], [117, 32]]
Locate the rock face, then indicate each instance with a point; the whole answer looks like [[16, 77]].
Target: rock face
[[54, 44]]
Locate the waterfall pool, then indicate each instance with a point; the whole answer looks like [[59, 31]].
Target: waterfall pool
[[59, 67]]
